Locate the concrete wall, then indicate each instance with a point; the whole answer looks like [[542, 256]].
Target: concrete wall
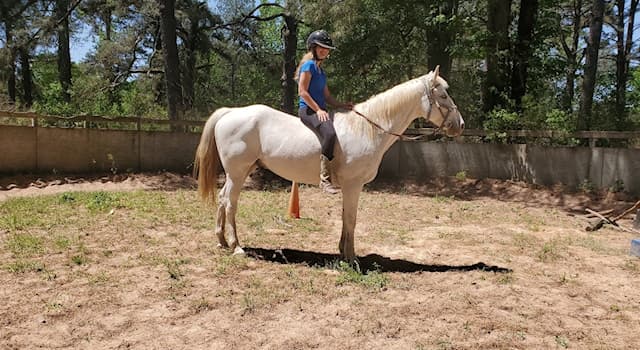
[[45, 150], [534, 164], [18, 150]]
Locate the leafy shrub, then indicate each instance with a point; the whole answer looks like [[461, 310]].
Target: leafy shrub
[[498, 121]]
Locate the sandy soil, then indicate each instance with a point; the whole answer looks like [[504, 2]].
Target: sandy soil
[[460, 265]]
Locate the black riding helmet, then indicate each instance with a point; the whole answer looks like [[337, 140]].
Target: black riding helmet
[[320, 38]]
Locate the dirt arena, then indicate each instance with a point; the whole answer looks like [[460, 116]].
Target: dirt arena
[[130, 261]]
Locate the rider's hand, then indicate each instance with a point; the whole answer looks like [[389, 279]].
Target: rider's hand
[[348, 105], [323, 115]]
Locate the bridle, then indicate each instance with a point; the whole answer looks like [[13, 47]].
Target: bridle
[[432, 102]]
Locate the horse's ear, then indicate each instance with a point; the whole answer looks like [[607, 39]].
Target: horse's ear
[[436, 72]]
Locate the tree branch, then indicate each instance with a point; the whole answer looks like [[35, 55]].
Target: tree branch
[[60, 20], [21, 11], [248, 16]]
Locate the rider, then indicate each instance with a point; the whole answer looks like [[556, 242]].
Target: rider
[[314, 96]]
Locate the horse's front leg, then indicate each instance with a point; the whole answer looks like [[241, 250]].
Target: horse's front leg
[[350, 196]]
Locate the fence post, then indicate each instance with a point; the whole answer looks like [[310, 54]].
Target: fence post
[[139, 132]]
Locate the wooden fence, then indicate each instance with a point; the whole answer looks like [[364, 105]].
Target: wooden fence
[[146, 124]]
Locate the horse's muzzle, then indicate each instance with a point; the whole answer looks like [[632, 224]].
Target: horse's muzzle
[[454, 128]]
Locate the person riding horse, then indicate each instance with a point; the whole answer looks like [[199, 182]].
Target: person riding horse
[[314, 95]]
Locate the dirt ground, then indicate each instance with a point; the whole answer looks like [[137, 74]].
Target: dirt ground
[[449, 264]]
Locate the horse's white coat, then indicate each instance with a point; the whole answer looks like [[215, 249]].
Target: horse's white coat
[[248, 136]]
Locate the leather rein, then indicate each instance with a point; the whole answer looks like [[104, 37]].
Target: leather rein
[[432, 102]]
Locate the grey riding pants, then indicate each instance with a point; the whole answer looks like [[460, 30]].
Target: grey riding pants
[[325, 131]]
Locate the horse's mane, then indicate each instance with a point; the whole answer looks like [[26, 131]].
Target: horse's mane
[[383, 107]]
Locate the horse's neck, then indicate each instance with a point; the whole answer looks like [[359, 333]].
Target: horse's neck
[[394, 109]]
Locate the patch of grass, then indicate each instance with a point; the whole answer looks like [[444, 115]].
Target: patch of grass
[[102, 201], [62, 242], [19, 213], [506, 278], [592, 243], [444, 344], [461, 175], [201, 305], [54, 307], [443, 199], [23, 266], [173, 267], [586, 186], [533, 223], [564, 279], [307, 225], [24, 244], [248, 303], [562, 341], [524, 240], [632, 266], [67, 197], [311, 284], [551, 250], [259, 295], [230, 264], [353, 274], [101, 277], [80, 257], [451, 235]]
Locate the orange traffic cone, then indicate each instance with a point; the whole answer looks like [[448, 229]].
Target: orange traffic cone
[[294, 202]]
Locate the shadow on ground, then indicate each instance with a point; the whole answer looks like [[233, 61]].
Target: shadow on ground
[[371, 262]]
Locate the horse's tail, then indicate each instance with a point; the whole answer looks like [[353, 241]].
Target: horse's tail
[[207, 161]]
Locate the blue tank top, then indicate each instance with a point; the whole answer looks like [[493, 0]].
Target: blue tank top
[[316, 85]]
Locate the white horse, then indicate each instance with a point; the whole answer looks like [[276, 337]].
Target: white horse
[[243, 138]]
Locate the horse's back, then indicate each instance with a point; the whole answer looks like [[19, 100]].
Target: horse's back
[[275, 139]]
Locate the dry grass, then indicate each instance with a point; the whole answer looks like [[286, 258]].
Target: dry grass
[[140, 269]]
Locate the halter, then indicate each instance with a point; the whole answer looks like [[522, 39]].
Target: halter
[[432, 101]]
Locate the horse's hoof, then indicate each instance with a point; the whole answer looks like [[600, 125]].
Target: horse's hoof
[[222, 246], [239, 252]]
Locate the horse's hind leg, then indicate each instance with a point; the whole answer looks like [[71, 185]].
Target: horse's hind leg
[[220, 220], [228, 206], [231, 206]]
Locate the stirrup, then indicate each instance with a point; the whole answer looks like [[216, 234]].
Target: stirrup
[[328, 188]]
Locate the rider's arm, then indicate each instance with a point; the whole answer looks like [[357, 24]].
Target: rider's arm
[[303, 90], [333, 102]]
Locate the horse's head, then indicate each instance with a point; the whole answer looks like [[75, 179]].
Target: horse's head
[[439, 106]]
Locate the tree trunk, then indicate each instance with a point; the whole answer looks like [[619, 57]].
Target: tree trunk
[[439, 41], [189, 74], [25, 69], [623, 58], [189, 77], [572, 56], [171, 59], [11, 80], [591, 65], [64, 55], [108, 27], [497, 46], [526, 26], [290, 39]]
